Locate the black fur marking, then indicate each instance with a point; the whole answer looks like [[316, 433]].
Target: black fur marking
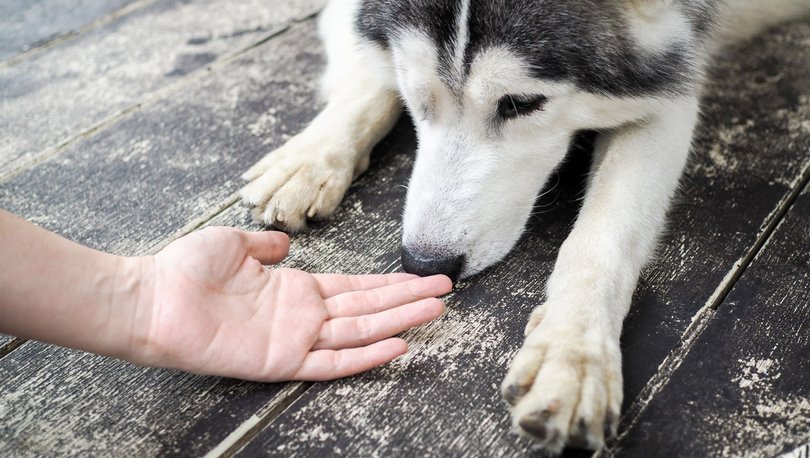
[[381, 21], [585, 42]]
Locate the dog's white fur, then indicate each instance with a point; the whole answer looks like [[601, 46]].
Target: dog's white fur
[[472, 191], [308, 176]]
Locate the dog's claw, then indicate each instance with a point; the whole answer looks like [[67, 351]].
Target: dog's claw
[[534, 425], [514, 392]]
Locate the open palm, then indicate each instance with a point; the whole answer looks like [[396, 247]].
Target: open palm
[[216, 309]]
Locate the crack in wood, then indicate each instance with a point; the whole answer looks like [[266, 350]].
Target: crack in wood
[[247, 431], [704, 316], [265, 415], [11, 346], [160, 94], [196, 223], [73, 34]]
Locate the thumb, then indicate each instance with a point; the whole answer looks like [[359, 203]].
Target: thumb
[[268, 247]]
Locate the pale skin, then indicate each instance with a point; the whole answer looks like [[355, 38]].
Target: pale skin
[[208, 304]]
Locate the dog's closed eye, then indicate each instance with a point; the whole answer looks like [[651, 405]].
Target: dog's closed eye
[[512, 106]]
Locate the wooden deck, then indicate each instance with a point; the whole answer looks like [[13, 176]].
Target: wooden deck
[[125, 124]]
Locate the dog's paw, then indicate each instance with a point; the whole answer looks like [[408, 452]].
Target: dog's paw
[[565, 387], [303, 180]]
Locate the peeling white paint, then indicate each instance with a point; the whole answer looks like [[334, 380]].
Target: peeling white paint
[[753, 371]]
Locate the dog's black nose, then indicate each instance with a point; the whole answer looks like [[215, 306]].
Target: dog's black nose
[[426, 264]]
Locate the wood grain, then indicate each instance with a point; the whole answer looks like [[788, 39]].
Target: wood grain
[[744, 389], [171, 166], [66, 93], [127, 189], [165, 167], [28, 24], [442, 400]]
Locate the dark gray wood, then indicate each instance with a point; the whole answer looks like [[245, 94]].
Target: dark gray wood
[[175, 163], [97, 406], [57, 399], [26, 24], [149, 177], [744, 389], [52, 397], [443, 399], [65, 93]]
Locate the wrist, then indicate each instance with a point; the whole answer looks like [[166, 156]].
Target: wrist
[[132, 308]]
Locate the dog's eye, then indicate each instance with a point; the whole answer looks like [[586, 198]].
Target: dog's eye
[[512, 106]]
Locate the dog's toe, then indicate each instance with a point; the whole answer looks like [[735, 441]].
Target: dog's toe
[[289, 187], [565, 388]]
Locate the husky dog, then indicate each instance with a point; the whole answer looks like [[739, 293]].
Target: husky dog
[[497, 89]]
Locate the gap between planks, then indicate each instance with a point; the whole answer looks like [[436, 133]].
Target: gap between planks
[[265, 415], [53, 151], [244, 433], [73, 34], [14, 344], [704, 316]]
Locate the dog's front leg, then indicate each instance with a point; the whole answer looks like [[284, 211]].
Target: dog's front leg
[[308, 176], [565, 383]]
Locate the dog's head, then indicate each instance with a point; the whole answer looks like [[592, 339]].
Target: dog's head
[[497, 89]]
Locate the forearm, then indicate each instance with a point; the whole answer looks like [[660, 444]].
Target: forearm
[[58, 291]]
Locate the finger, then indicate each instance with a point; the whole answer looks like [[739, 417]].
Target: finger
[[268, 247], [364, 302], [332, 284], [324, 365], [364, 330]]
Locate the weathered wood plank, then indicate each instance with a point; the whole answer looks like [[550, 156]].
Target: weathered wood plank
[[131, 185], [73, 88], [31, 23], [442, 400], [57, 399], [126, 417], [744, 389], [192, 145], [125, 190]]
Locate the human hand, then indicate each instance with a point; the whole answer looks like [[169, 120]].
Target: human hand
[[210, 306]]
